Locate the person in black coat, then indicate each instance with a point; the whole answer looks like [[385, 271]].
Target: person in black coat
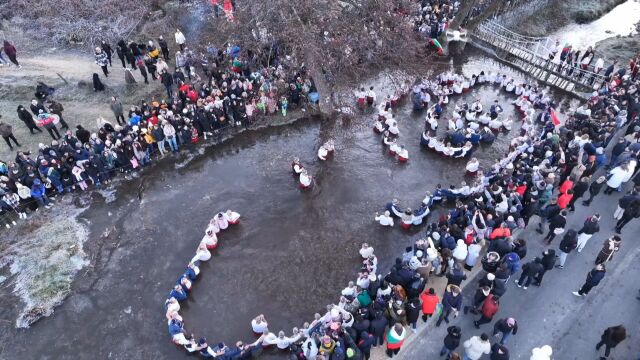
[[632, 212], [506, 327], [502, 246], [360, 324], [499, 352], [567, 245], [82, 134], [529, 271], [36, 106], [579, 189], [27, 119], [548, 262], [594, 189], [478, 298], [366, 342], [610, 338], [451, 341], [456, 276], [556, 224], [412, 309], [378, 328], [520, 248], [164, 48], [593, 279], [107, 50]]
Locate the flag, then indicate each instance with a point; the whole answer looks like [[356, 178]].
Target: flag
[[554, 117]]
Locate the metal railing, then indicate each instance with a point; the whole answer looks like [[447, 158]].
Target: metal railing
[[535, 52]]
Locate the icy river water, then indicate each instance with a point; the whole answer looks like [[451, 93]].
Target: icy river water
[[289, 257]]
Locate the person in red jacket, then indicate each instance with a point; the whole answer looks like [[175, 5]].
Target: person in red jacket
[[429, 302], [565, 198], [490, 307], [566, 185], [501, 232]]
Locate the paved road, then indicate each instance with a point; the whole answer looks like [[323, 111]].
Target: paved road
[[551, 314]]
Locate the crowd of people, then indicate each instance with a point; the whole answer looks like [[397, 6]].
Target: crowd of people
[[550, 166], [236, 88]]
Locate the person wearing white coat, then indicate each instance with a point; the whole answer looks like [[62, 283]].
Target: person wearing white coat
[[473, 253], [476, 346], [460, 252], [617, 177], [222, 221]]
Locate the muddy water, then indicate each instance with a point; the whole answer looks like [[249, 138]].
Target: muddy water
[[621, 21], [289, 257]]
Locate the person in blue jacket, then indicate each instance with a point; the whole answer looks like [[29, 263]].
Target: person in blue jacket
[[178, 293], [593, 279], [39, 192], [192, 271]]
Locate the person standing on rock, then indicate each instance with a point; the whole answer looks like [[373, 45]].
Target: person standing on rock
[[102, 61], [11, 52], [610, 246], [610, 338], [6, 131], [27, 119], [590, 227], [164, 48], [593, 279], [180, 39], [106, 48]]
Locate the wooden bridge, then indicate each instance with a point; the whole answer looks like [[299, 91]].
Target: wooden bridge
[[531, 55]]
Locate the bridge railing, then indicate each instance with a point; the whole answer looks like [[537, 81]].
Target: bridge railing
[[535, 51]]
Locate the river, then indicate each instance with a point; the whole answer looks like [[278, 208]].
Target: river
[[621, 21]]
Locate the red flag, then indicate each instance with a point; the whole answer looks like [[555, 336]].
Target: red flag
[[554, 117]]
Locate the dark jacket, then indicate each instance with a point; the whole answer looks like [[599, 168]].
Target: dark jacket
[[590, 227], [594, 277], [532, 268], [549, 260], [569, 242], [378, 325], [452, 340], [26, 118], [499, 352], [502, 326], [456, 277], [557, 222], [413, 308], [449, 301], [595, 187]]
